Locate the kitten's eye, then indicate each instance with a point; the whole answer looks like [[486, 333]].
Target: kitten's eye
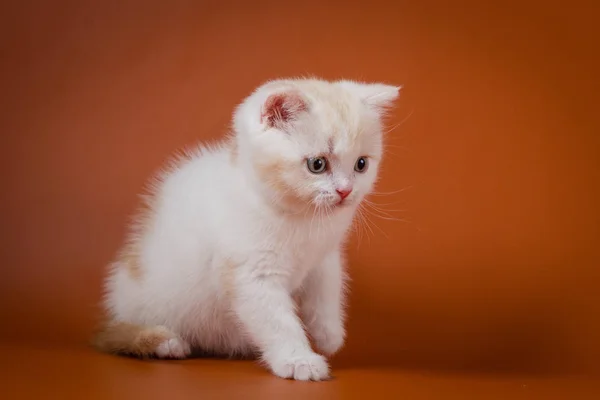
[[361, 164], [316, 165]]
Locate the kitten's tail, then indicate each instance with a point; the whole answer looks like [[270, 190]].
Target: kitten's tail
[[129, 339]]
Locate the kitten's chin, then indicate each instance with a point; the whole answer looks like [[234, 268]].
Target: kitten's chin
[[349, 202], [342, 205]]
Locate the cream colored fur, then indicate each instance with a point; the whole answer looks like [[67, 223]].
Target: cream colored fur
[[232, 234]]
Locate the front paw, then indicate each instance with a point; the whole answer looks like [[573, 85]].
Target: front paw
[[329, 339], [301, 367]]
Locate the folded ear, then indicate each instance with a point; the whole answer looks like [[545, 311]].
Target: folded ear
[[281, 108], [378, 96]]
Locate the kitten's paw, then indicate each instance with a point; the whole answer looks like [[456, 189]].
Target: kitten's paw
[[309, 366], [329, 338], [173, 348]]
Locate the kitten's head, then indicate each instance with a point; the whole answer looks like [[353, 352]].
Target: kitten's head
[[312, 143]]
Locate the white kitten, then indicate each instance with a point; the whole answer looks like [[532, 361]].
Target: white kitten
[[232, 235]]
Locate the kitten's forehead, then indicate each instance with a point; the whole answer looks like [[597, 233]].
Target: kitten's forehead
[[331, 135], [337, 117]]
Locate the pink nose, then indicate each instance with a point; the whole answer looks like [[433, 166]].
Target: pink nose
[[343, 193]]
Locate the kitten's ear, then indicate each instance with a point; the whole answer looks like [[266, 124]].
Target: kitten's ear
[[378, 96], [281, 108]]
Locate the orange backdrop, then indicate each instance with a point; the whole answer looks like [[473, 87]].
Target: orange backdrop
[[495, 262]]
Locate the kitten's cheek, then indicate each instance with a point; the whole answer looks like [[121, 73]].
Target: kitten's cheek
[[320, 202]]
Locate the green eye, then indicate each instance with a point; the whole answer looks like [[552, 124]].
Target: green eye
[[317, 165], [361, 164]]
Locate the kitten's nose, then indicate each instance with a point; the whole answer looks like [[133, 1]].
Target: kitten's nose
[[343, 192]]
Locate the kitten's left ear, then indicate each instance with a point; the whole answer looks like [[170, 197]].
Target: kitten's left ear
[[282, 108], [378, 96]]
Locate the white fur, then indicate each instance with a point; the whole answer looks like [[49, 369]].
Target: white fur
[[222, 258]]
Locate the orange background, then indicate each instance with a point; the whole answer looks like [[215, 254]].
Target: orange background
[[496, 264]]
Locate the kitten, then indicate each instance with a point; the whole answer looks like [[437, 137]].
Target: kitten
[[233, 234]]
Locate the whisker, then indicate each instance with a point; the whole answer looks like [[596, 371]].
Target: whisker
[[366, 222], [382, 214], [381, 205], [375, 193], [357, 227], [376, 226], [395, 203], [401, 122], [392, 218]]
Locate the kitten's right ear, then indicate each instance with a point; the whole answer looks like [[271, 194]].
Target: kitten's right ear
[[281, 108], [378, 96]]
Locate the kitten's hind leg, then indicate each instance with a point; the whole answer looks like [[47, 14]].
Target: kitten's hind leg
[[140, 341]]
